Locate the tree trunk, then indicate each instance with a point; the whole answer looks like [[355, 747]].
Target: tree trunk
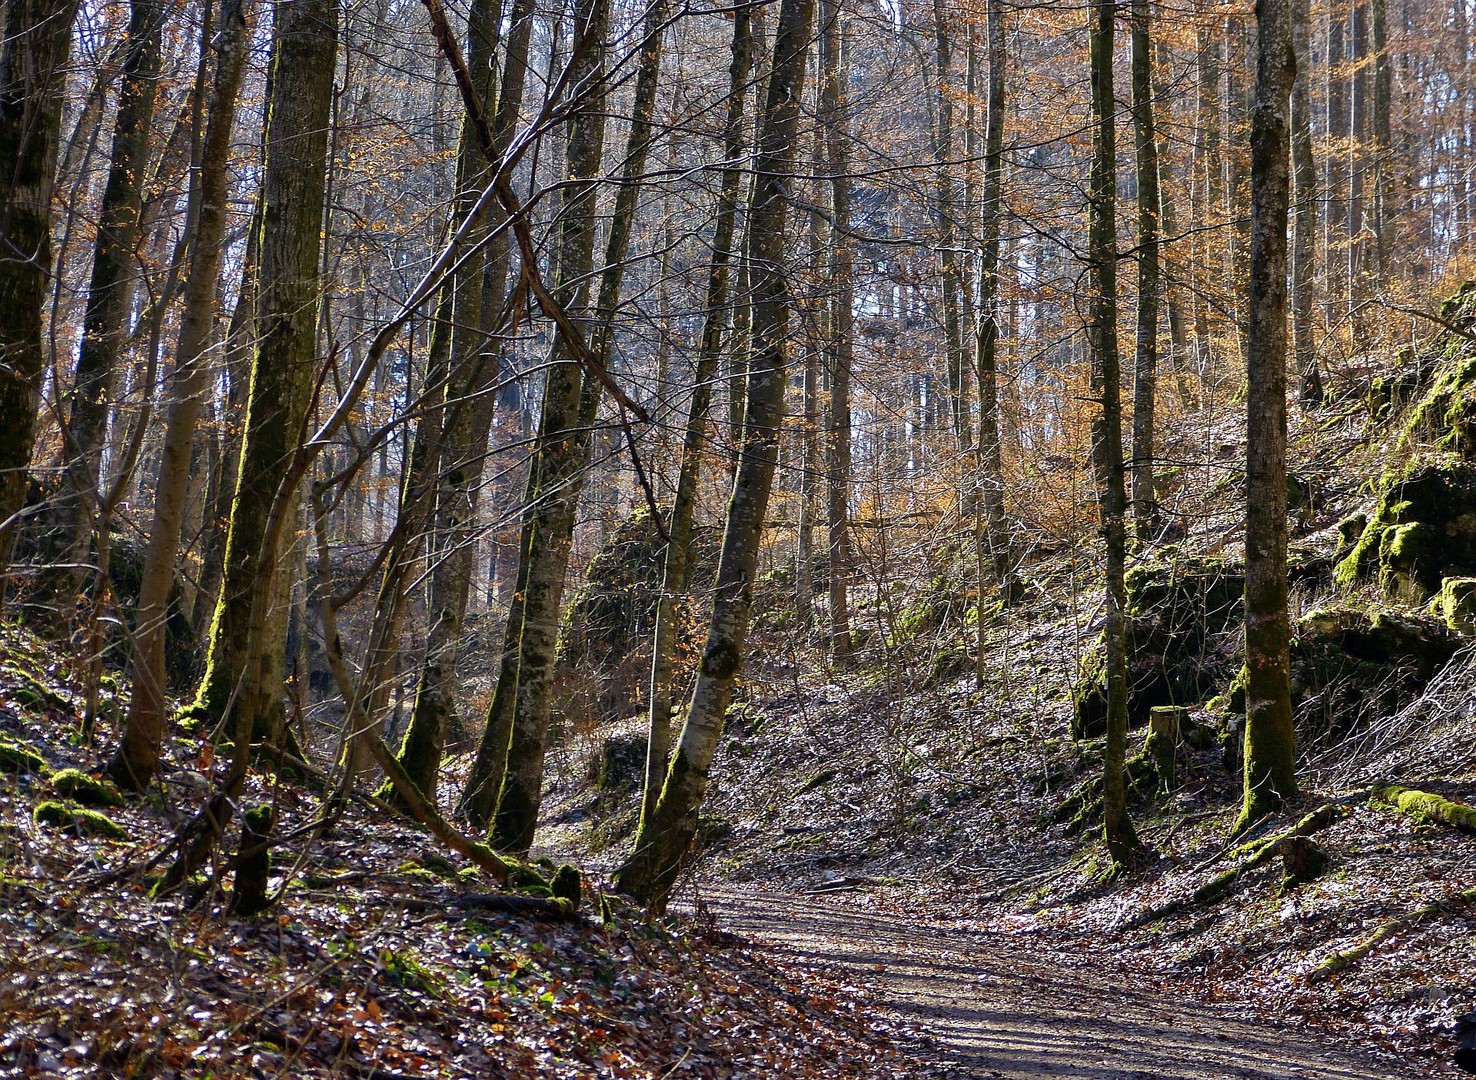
[[1304, 251], [676, 571], [470, 404], [1384, 199], [1211, 198], [105, 325], [1145, 380], [835, 116], [943, 219], [1270, 751], [137, 755], [563, 451], [1335, 253], [1174, 276], [242, 666], [33, 60], [667, 833], [994, 536], [1122, 841], [1357, 132]]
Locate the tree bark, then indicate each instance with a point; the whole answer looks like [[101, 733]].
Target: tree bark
[[995, 535], [563, 450], [667, 833], [242, 666], [1145, 381], [470, 404], [835, 116], [105, 325], [137, 756], [1122, 841], [943, 217], [1304, 250], [1270, 750], [33, 60], [676, 570]]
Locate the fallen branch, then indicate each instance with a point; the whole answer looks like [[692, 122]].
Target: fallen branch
[[1341, 961]]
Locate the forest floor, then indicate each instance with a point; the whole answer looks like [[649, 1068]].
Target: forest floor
[[376, 963]]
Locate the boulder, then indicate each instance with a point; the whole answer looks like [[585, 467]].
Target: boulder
[[1183, 640], [1422, 531]]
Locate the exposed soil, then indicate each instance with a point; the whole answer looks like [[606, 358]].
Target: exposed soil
[[1000, 1009]]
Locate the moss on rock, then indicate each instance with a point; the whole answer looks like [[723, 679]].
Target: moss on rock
[[1349, 664], [18, 757], [76, 785], [61, 815], [1183, 614], [1455, 604], [604, 644]]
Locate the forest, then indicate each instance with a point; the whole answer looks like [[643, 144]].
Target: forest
[[762, 538]]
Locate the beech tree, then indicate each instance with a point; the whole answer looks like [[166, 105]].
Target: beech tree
[[33, 58], [1122, 841], [1270, 742]]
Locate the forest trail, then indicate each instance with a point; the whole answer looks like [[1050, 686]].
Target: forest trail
[[996, 1010]]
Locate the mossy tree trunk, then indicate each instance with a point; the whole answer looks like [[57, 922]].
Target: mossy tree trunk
[[105, 322], [676, 569], [33, 60], [1145, 381], [137, 756], [1270, 750], [1122, 841], [563, 448], [994, 535], [667, 832], [242, 665], [835, 116]]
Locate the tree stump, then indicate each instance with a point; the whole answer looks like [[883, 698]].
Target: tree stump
[[1162, 744], [253, 862], [1302, 860]]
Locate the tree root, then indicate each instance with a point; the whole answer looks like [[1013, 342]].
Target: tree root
[[1426, 807], [1341, 961]]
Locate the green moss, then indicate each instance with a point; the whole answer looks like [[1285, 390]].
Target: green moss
[[439, 865], [77, 786], [819, 780], [567, 885], [1179, 610], [1455, 604], [17, 757], [86, 822]]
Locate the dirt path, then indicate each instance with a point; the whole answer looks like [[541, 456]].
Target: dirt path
[[996, 1010]]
